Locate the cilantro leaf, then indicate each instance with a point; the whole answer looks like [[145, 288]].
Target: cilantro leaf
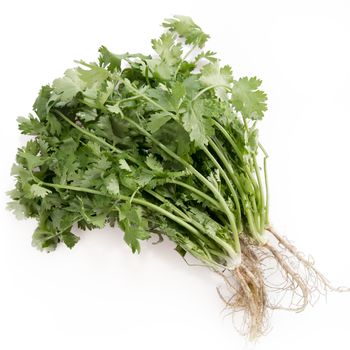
[[219, 78], [38, 191], [247, 99], [186, 28], [68, 86], [196, 125]]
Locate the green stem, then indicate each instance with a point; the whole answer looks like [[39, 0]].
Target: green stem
[[140, 94], [89, 134], [245, 168], [243, 195], [183, 59], [229, 139], [267, 219], [200, 177], [178, 220], [200, 93], [197, 192], [237, 151], [229, 184], [224, 245], [100, 140], [72, 188], [262, 200], [94, 137]]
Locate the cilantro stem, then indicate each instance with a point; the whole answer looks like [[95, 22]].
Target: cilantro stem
[[196, 191], [229, 139], [199, 226], [267, 219], [237, 151], [195, 172], [70, 187], [262, 201], [87, 133], [140, 94], [183, 59], [166, 213], [229, 184], [200, 93], [96, 138], [244, 167]]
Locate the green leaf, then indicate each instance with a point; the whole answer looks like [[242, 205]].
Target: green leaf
[[157, 120], [124, 165], [54, 125], [69, 239], [44, 239], [114, 109], [186, 28], [87, 115], [68, 86], [92, 76], [41, 104], [247, 99], [220, 78], [112, 185], [196, 125], [154, 164], [108, 59], [30, 125], [38, 191], [133, 225], [17, 209]]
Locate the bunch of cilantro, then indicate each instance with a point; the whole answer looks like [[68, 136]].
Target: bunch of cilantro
[[161, 144]]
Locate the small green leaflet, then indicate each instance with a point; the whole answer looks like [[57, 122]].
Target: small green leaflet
[[38, 191], [68, 86], [247, 99], [154, 164], [115, 109], [186, 28], [196, 125], [112, 185], [124, 165], [219, 78], [70, 239], [157, 120]]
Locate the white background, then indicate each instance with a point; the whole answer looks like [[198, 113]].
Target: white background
[[99, 295]]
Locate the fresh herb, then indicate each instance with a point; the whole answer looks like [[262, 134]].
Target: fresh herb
[[163, 144]]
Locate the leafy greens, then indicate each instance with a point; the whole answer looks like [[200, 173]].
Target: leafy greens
[[161, 144]]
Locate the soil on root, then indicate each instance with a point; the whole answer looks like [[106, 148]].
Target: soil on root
[[272, 276]]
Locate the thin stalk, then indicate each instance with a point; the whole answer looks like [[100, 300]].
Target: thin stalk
[[183, 59], [89, 134], [197, 192], [262, 200], [237, 182], [94, 137], [267, 219], [199, 226], [156, 208], [200, 177], [236, 149], [138, 93], [125, 198], [229, 139], [229, 184], [72, 188], [228, 166], [103, 142], [200, 93]]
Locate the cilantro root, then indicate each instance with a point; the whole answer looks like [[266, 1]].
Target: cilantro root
[[163, 145]]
